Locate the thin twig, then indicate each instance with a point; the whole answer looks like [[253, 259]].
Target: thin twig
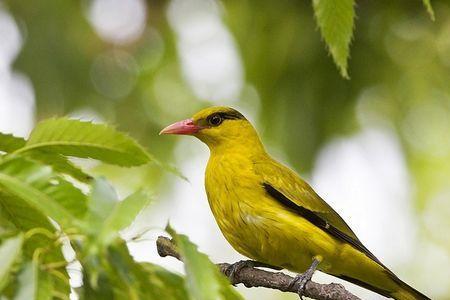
[[254, 277]]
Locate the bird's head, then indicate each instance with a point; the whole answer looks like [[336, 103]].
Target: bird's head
[[217, 126]]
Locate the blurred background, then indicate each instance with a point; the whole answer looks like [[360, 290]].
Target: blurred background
[[376, 147]]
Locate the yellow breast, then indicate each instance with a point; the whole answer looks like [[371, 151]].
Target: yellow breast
[[230, 186], [251, 221]]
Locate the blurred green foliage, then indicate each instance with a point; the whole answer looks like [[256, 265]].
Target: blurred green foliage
[[89, 222], [398, 62]]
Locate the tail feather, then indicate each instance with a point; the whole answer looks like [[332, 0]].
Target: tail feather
[[407, 292], [404, 291], [366, 285]]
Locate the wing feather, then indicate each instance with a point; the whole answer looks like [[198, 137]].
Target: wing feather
[[287, 188], [318, 221], [288, 183]]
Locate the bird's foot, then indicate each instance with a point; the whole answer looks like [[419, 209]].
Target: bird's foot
[[304, 278], [234, 269]]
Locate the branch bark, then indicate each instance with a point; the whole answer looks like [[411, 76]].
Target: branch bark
[[254, 277]]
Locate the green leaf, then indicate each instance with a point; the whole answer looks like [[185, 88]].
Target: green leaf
[[336, 22], [121, 277], [35, 198], [39, 188], [10, 251], [29, 219], [102, 202], [204, 281], [22, 215], [429, 7], [123, 215], [165, 284], [134, 281], [42, 178], [34, 284], [60, 164], [10, 143], [86, 140], [171, 169]]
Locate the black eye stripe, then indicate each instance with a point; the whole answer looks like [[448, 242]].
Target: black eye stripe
[[231, 115], [215, 119]]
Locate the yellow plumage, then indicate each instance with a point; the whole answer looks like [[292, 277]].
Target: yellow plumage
[[269, 214]]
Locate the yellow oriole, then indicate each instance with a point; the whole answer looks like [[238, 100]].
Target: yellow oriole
[[269, 214]]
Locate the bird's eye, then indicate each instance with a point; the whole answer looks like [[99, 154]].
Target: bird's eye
[[215, 120]]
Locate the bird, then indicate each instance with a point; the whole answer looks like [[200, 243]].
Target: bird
[[269, 214]]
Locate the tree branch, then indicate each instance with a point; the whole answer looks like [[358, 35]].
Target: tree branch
[[253, 277]]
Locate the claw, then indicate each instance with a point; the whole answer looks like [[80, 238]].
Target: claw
[[234, 269], [304, 278]]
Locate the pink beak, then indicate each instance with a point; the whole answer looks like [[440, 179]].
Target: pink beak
[[182, 127]]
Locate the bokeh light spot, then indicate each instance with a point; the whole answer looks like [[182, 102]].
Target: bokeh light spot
[[149, 51], [11, 40], [208, 54], [365, 178], [114, 74], [118, 21], [426, 127]]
